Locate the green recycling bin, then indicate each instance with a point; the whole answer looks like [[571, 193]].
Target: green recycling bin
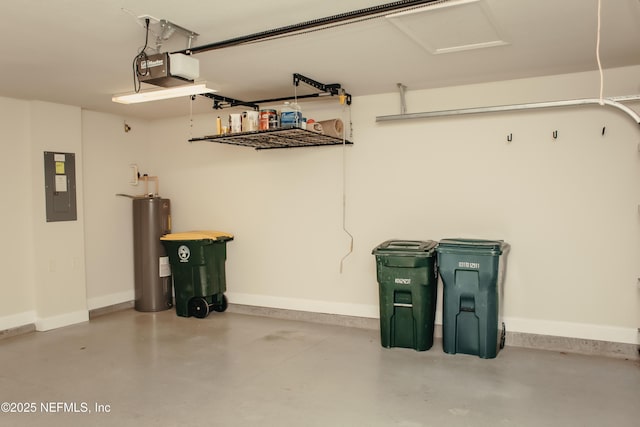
[[472, 273], [407, 279], [197, 261]]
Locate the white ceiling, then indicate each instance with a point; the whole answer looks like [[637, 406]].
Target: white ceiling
[[80, 52]]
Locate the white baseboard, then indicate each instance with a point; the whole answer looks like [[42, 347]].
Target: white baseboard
[[111, 299], [513, 324], [314, 306], [54, 322], [572, 330], [17, 320]]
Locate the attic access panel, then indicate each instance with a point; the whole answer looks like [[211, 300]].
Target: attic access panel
[[275, 138], [450, 26]]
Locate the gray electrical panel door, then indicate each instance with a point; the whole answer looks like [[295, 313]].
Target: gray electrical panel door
[[60, 186]]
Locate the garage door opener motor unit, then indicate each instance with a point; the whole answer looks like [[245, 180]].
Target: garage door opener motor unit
[[167, 69]]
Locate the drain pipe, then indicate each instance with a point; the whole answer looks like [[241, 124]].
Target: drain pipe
[[342, 17]]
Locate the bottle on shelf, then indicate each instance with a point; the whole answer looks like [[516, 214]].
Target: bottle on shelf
[[290, 115]]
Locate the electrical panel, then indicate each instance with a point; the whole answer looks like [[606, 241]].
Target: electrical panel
[[60, 186]]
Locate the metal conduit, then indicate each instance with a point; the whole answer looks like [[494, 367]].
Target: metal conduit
[[611, 102], [315, 23]]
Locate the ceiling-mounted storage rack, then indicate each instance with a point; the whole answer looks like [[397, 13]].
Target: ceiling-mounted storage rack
[[280, 137], [275, 138]]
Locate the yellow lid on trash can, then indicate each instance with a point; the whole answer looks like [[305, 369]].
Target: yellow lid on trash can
[[198, 235]]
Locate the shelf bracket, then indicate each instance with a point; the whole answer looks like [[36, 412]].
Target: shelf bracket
[[220, 102], [333, 89]]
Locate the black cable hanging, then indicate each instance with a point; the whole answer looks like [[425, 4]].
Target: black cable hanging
[[142, 56]]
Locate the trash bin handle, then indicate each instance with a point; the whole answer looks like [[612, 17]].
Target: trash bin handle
[[423, 246]]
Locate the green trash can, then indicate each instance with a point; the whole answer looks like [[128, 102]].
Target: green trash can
[[197, 261], [472, 273], [407, 278]]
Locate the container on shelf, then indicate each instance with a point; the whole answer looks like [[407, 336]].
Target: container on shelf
[[268, 119], [290, 115], [235, 122], [250, 121]]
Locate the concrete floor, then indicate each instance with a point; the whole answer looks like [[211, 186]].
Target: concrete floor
[[157, 369]]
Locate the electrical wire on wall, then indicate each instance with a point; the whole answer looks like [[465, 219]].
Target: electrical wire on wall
[[346, 112]]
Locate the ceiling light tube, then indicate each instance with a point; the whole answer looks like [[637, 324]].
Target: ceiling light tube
[[165, 93]]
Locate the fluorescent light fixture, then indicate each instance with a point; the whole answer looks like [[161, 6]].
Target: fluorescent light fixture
[[164, 93]]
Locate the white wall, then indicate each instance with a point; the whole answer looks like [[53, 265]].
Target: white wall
[[108, 151], [17, 306], [42, 263], [569, 207], [59, 263]]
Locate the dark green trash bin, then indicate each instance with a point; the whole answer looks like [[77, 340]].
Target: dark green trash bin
[[472, 273], [197, 261], [407, 278]]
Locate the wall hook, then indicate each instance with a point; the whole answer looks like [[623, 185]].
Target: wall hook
[[603, 129], [555, 134], [127, 128], [510, 137]]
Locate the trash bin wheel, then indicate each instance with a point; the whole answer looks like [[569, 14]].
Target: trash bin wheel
[[198, 307], [221, 306]]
